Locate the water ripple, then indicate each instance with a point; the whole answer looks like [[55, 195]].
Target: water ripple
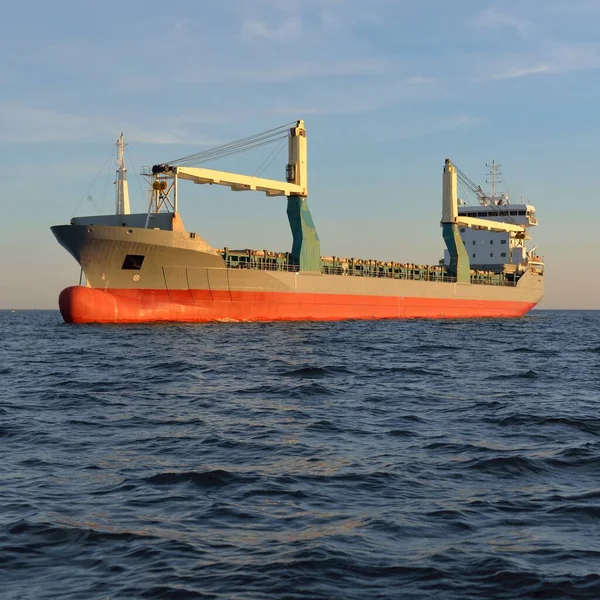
[[400, 459]]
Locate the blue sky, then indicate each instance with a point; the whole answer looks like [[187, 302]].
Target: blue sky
[[388, 90]]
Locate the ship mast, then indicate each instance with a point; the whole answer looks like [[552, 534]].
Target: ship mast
[[494, 175], [121, 182]]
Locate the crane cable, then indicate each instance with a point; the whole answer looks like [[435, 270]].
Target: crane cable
[[243, 145], [270, 158], [472, 187]]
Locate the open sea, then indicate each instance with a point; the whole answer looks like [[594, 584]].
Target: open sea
[[449, 460]]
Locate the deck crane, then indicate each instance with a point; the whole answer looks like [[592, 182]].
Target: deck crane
[[451, 220], [306, 251], [296, 175]]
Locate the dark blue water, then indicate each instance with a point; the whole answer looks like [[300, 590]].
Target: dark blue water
[[356, 460]]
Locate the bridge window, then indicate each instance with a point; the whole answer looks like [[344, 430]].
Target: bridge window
[[133, 262]]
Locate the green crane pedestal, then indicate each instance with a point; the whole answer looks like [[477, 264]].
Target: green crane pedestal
[[306, 248], [460, 267]]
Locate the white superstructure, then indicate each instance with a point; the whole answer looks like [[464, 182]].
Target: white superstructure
[[494, 248]]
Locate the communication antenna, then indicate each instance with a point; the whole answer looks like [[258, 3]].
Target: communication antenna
[[494, 176]]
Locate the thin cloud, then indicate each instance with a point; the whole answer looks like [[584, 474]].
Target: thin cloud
[[407, 129], [492, 19], [41, 125], [290, 28], [290, 71], [577, 57], [419, 80], [451, 123], [369, 99], [515, 72], [559, 59]]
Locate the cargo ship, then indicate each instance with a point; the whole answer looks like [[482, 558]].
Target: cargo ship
[[146, 267]]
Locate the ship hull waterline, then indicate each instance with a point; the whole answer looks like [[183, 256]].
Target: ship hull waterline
[[79, 304]]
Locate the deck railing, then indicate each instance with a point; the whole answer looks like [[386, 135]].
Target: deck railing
[[433, 274], [263, 266]]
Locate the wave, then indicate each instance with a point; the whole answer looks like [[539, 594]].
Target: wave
[[435, 348], [507, 377], [589, 425], [204, 479], [323, 425], [585, 456], [407, 371], [456, 448], [590, 511], [529, 350], [10, 431], [401, 433], [507, 465], [56, 533], [315, 372], [307, 390], [174, 366]]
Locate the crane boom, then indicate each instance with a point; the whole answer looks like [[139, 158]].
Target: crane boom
[[296, 172], [235, 181], [489, 224]]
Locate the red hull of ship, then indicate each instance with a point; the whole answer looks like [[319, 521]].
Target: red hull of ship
[[87, 305]]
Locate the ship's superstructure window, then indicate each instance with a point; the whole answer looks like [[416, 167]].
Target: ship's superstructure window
[[491, 241], [503, 241], [491, 255], [502, 253], [133, 262]]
